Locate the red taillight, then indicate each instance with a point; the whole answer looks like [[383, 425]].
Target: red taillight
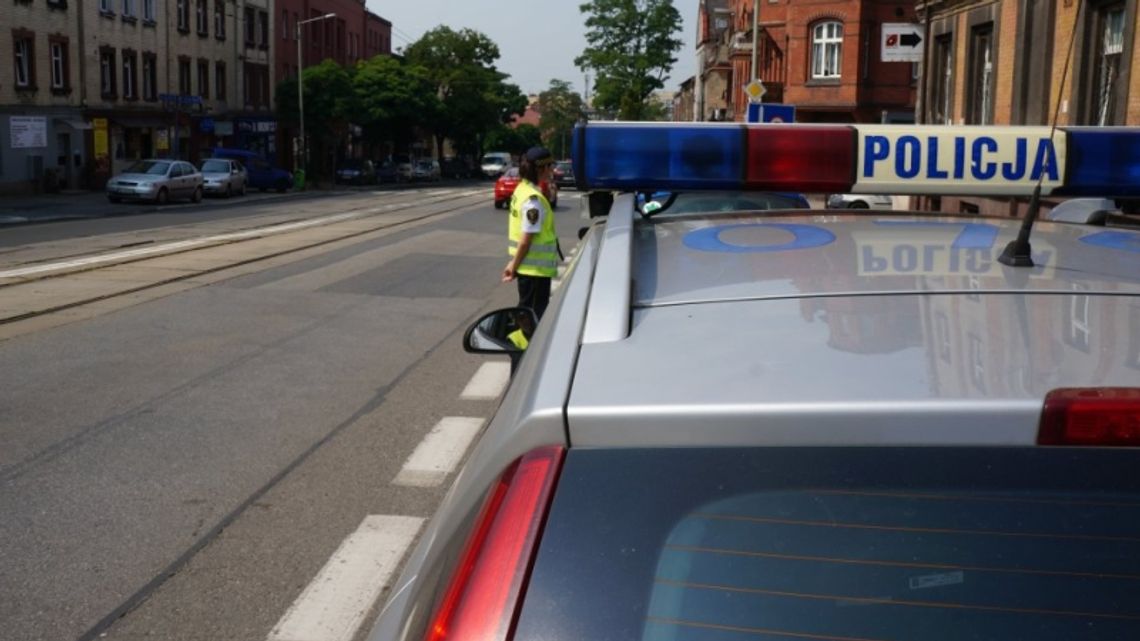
[[1091, 416], [481, 602], [779, 158]]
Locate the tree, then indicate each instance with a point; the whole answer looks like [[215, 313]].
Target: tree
[[474, 97], [560, 108], [630, 47], [514, 140], [394, 98], [330, 103]]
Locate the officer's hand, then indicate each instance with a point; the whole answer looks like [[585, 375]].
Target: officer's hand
[[508, 273]]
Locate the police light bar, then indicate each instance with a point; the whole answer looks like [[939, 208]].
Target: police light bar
[[865, 159]]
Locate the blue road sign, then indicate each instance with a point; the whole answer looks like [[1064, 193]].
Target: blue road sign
[[771, 112]]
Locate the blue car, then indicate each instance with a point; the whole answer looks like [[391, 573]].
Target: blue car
[[262, 175]]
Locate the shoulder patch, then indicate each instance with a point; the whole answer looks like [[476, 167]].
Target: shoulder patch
[[532, 214]]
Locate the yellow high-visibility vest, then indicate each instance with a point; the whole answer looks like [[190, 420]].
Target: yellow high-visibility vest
[[542, 259]]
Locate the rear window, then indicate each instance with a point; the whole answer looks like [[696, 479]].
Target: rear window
[[840, 544]]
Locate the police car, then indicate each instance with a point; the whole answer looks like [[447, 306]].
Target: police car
[[788, 425]]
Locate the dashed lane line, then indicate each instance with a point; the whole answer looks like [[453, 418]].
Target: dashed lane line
[[488, 382], [336, 601], [439, 453]]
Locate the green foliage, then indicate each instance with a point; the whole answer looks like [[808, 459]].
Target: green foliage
[[514, 140], [630, 46], [474, 96], [560, 108], [394, 98]]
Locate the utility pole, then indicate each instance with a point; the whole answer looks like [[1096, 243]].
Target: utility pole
[[304, 148], [755, 37]]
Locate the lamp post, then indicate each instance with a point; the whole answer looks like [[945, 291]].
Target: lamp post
[[755, 37], [304, 148]]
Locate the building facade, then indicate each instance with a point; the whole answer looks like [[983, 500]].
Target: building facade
[[88, 88], [1004, 63], [823, 57]]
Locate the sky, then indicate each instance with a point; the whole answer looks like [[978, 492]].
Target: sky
[[537, 43]]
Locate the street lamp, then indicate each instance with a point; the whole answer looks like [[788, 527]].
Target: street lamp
[[301, 87]]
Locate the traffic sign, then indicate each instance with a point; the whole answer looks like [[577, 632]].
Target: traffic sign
[[755, 91], [902, 42], [771, 112]]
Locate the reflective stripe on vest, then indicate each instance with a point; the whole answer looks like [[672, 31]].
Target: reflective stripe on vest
[[542, 257]]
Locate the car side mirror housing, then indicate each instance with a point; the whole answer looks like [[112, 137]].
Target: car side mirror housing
[[503, 331]]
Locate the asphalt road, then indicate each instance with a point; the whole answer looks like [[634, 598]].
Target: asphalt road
[[182, 468]]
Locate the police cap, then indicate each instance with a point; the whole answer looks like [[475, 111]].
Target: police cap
[[539, 156]]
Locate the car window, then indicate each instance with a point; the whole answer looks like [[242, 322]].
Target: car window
[[152, 167], [513, 172], [839, 543], [216, 166], [712, 201]]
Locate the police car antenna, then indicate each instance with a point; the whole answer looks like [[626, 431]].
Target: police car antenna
[[1017, 252]]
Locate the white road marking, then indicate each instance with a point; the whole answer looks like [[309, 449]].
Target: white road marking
[[489, 382], [197, 242], [335, 603], [439, 453]]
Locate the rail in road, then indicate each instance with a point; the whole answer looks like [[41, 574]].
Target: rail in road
[[71, 281]]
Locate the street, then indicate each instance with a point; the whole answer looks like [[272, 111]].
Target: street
[[202, 405]]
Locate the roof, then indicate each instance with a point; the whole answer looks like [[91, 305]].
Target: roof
[[876, 330]]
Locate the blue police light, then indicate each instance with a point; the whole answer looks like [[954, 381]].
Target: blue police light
[[1103, 161], [648, 156], [872, 159]]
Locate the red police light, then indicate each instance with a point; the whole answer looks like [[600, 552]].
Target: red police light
[[1104, 416]]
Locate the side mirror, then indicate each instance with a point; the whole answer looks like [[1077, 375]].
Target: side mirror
[[503, 331]]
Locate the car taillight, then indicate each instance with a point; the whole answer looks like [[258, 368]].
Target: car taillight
[[1091, 416], [482, 598]]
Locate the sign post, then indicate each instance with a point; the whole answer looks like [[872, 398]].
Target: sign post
[[901, 42]]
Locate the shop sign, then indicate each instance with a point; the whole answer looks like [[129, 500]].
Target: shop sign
[[28, 132]]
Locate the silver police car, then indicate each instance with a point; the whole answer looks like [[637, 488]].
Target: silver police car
[[786, 425]]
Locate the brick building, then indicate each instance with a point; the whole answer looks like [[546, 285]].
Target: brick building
[[823, 57], [354, 34], [1002, 63]]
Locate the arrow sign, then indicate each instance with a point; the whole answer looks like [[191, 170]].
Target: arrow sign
[[902, 42]]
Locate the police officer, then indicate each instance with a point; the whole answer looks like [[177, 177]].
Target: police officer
[[533, 243]]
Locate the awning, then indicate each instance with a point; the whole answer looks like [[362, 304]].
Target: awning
[[140, 122], [75, 123]]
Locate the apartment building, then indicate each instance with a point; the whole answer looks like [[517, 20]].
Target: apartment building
[[821, 56], [88, 88], [43, 131], [1003, 63]]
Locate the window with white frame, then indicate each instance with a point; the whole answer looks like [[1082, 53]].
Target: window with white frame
[[202, 18], [219, 20], [1110, 45], [107, 72], [129, 70], [106, 6], [58, 65], [128, 8], [149, 76], [183, 8], [981, 75], [148, 10], [826, 49], [23, 56]]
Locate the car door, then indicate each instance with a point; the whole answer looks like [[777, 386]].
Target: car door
[[185, 180]]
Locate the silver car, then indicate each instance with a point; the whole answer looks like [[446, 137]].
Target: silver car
[[158, 181], [860, 201], [224, 177], [790, 424]]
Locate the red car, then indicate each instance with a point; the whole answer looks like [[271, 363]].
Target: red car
[[505, 186]]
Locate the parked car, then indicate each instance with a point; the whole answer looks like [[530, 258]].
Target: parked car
[[860, 201], [506, 184], [495, 163], [426, 169], [564, 173], [262, 175], [223, 177], [156, 180], [356, 171], [455, 168], [404, 165], [386, 172]]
